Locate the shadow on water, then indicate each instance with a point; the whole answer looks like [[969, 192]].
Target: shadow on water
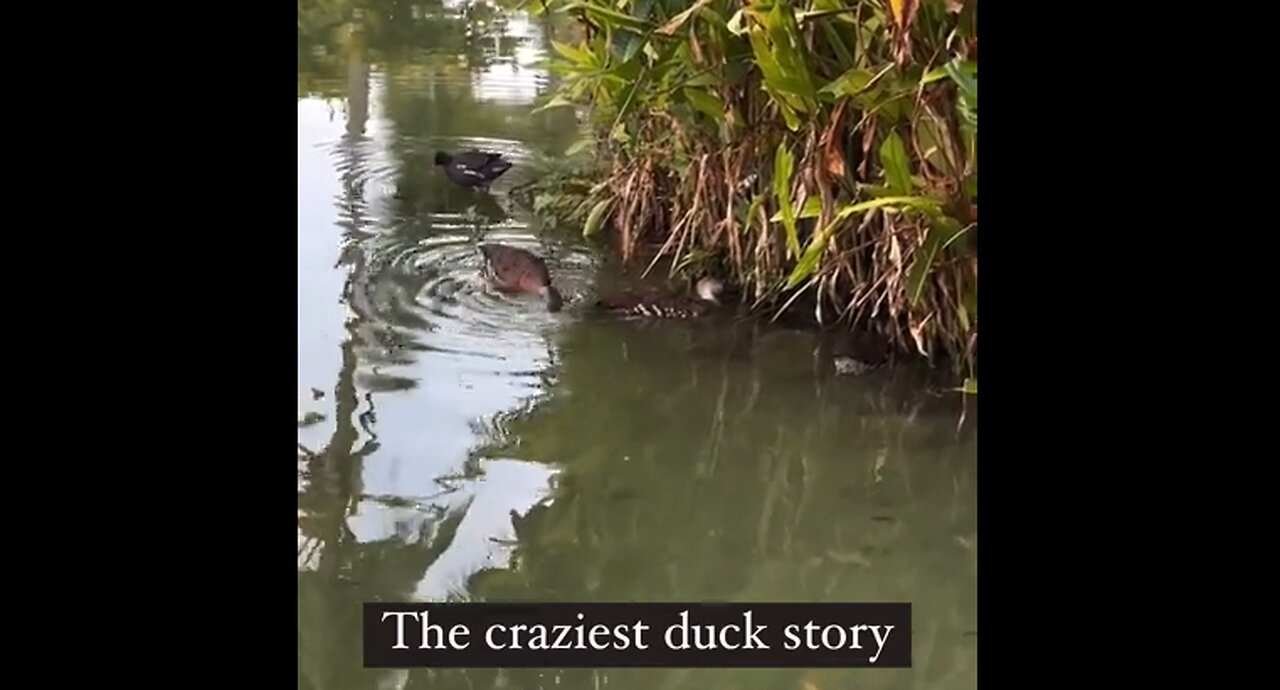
[[457, 444]]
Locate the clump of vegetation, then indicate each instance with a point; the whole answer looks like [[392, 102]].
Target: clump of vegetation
[[821, 153]]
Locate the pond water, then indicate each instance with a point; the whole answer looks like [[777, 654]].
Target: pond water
[[455, 444]]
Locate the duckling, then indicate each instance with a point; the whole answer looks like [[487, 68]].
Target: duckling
[[512, 269], [658, 306], [858, 354], [473, 168]]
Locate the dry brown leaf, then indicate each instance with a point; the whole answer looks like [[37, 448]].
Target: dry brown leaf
[[868, 137], [904, 12], [696, 47], [679, 20], [917, 334], [833, 156]]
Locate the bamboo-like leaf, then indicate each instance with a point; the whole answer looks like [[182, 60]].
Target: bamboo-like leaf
[[575, 55], [630, 100], [952, 237], [893, 158], [776, 46], [753, 208], [635, 43], [789, 115], [812, 209], [706, 102], [855, 81], [922, 203], [765, 59], [965, 75], [595, 219], [809, 261], [942, 232], [936, 142], [784, 34], [967, 67], [828, 8], [837, 43], [783, 166], [609, 17], [580, 146], [703, 78], [850, 83], [968, 83], [556, 102]]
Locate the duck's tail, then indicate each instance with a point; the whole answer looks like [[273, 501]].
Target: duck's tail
[[498, 167]]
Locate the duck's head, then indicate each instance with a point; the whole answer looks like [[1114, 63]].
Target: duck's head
[[709, 289], [555, 301], [443, 158]]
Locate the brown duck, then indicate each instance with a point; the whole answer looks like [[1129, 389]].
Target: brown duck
[[512, 269], [663, 306]]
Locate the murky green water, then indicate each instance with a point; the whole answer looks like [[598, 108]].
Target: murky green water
[[463, 445]]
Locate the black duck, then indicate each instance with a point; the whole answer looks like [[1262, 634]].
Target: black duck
[[661, 306], [515, 270], [472, 169]]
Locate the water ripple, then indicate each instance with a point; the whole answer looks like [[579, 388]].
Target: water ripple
[[416, 286]]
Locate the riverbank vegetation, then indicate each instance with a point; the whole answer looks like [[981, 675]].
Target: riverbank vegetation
[[819, 153]]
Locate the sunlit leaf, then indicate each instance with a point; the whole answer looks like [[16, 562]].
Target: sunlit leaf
[[575, 55], [789, 116], [922, 203], [580, 146], [783, 165], [812, 209], [737, 23], [779, 53], [968, 67], [596, 217], [619, 134], [555, 102], [893, 157]]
